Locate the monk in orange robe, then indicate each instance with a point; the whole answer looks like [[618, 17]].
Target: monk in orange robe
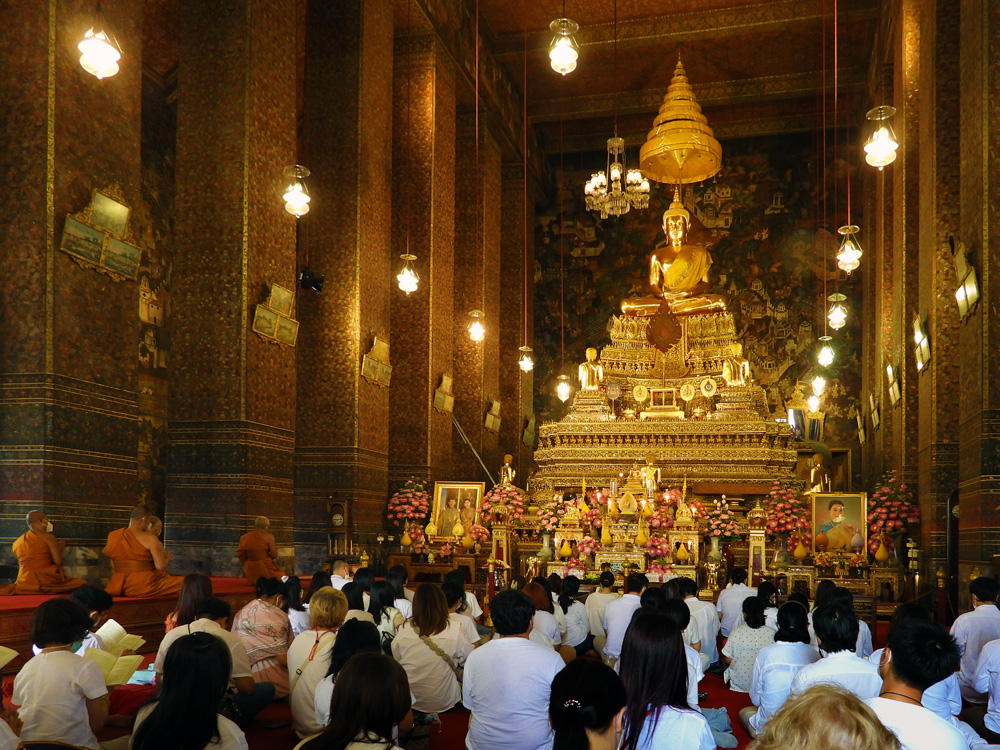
[[257, 551], [139, 560], [39, 554]]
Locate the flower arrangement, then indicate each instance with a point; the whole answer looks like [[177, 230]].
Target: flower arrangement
[[657, 546], [550, 514], [446, 551], [574, 565], [502, 495], [823, 560], [722, 523], [786, 513], [587, 546], [859, 560], [661, 568], [418, 544], [890, 509], [660, 520], [673, 497], [594, 517], [479, 532], [410, 503]]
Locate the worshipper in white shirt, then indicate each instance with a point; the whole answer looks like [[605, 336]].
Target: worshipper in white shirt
[[62, 696], [431, 646], [618, 616], [213, 618], [404, 574], [595, 605], [919, 654], [321, 579], [507, 682], [354, 637], [340, 573], [837, 633], [585, 706], [454, 597], [577, 627], [745, 642], [309, 656], [776, 666], [355, 596], [654, 670], [986, 719], [973, 630], [472, 609], [704, 618], [364, 577], [370, 700], [730, 601], [298, 615], [767, 593], [398, 583], [557, 612], [186, 711], [863, 646], [10, 728]]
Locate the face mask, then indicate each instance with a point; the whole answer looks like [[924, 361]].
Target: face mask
[[48, 526], [76, 646], [838, 519]]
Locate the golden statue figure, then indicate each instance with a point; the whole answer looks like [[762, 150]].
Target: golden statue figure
[[678, 272], [819, 477], [591, 372], [650, 475], [507, 471], [736, 369]]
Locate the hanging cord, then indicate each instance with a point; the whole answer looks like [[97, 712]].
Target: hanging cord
[[823, 194], [524, 175], [615, 68]]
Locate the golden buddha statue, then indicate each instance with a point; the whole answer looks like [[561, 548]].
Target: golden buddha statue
[[736, 369], [507, 471], [678, 272], [591, 372]]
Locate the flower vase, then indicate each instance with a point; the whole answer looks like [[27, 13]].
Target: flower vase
[[478, 547], [780, 559], [714, 554], [545, 552], [882, 553]]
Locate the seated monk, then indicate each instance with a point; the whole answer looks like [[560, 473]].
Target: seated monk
[[257, 552], [39, 554], [139, 560]]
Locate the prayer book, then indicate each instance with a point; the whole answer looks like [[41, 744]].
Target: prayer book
[[6, 656], [116, 640], [118, 670]]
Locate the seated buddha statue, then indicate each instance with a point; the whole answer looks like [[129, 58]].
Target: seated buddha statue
[[678, 272]]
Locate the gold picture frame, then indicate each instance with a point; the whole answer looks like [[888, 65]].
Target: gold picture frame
[[281, 300], [122, 257], [81, 240], [853, 512], [108, 214], [445, 515], [287, 332], [265, 322]]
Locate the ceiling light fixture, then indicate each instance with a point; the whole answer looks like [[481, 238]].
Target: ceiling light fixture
[[407, 278], [837, 314], [849, 254], [99, 50], [563, 50], [826, 355], [296, 194], [563, 388], [818, 385], [526, 362], [880, 148], [476, 330]]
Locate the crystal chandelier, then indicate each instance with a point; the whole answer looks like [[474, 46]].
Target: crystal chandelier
[[99, 50], [563, 51], [407, 278], [849, 254], [563, 389], [476, 331], [825, 356], [616, 199], [837, 314], [296, 194], [526, 362], [880, 148]]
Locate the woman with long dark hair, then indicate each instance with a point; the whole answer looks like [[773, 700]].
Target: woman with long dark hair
[[776, 665], [298, 616], [194, 588], [354, 637], [370, 698], [356, 603], [654, 671], [185, 715], [544, 629], [584, 706], [319, 580], [767, 593], [744, 643], [382, 608], [577, 627], [595, 605]]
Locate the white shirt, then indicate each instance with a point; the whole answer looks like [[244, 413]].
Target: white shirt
[[338, 582], [472, 608], [506, 687], [405, 607], [971, 632], [577, 626], [943, 699], [695, 672], [357, 614], [303, 686], [617, 618], [987, 681], [771, 617], [545, 629], [842, 668], [677, 730], [467, 625], [773, 672], [432, 682], [595, 605], [8, 740], [706, 617], [231, 737], [52, 690], [915, 727], [862, 647], [241, 662], [91, 640], [743, 646], [299, 620], [730, 605]]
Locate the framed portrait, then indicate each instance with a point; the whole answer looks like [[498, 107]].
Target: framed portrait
[[265, 322], [122, 257], [287, 330], [108, 214], [384, 373], [839, 522], [380, 350], [455, 502], [444, 401], [369, 369], [281, 300], [492, 422], [82, 240]]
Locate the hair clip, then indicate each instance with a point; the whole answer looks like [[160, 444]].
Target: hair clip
[[572, 703]]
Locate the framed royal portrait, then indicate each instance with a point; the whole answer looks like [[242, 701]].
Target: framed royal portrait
[[456, 502], [108, 214], [840, 522]]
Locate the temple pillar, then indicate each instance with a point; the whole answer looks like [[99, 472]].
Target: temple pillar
[[423, 220], [977, 390], [477, 285], [342, 420], [516, 387], [69, 336], [232, 401]]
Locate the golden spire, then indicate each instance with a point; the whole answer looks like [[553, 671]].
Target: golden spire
[[681, 148]]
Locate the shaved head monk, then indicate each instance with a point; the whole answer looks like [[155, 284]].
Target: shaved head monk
[[39, 554], [257, 552], [139, 559]]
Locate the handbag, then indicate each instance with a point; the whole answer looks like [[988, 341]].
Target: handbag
[[459, 671]]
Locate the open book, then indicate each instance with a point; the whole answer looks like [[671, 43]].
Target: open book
[[117, 670], [116, 640], [7, 655]]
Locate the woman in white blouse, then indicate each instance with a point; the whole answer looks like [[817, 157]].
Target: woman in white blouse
[[595, 605], [577, 626], [431, 647], [743, 645], [545, 628]]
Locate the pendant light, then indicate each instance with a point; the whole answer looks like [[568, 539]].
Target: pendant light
[[826, 355], [296, 194], [476, 330], [563, 388], [837, 314], [526, 362], [880, 148], [563, 50], [99, 50], [408, 279], [849, 254], [818, 385]]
